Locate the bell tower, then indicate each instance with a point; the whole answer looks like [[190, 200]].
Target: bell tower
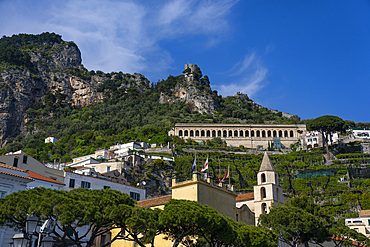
[[267, 191]]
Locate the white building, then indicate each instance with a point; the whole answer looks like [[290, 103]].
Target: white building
[[361, 133], [51, 140], [11, 180], [24, 161], [97, 182], [122, 149], [42, 181], [360, 224], [313, 139]]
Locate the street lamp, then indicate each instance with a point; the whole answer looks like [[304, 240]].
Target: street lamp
[[31, 224], [20, 240], [24, 239]]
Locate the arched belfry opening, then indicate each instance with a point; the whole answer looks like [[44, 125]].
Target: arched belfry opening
[[263, 178], [263, 193]]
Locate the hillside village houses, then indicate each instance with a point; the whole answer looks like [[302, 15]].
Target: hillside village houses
[[244, 208], [360, 224]]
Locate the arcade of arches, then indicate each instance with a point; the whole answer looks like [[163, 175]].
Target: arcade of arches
[[248, 135]]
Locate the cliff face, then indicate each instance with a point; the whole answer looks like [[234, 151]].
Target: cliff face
[[193, 90], [56, 67]]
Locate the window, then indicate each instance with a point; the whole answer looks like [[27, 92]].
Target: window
[[135, 196], [2, 194], [237, 217], [108, 168], [263, 193], [71, 183], [85, 184], [263, 178], [191, 132], [15, 162], [180, 132], [106, 187], [25, 159], [357, 221]]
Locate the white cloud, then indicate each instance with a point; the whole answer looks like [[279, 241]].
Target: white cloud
[[120, 35], [248, 76]]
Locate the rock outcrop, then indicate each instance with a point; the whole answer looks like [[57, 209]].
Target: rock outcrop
[[55, 68], [193, 90]]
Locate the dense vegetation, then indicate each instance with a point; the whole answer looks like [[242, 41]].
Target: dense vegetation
[[102, 211], [14, 50]]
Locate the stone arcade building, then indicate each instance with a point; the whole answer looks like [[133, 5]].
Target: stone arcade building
[[248, 135]]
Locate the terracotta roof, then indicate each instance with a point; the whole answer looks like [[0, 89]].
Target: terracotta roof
[[245, 197], [10, 167], [365, 213], [354, 243], [15, 175], [156, 201], [266, 164], [41, 177]]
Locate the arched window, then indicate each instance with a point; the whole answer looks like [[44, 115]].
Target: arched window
[[263, 208], [246, 133], [202, 133], [241, 133], [219, 133], [213, 133], [180, 132], [285, 133], [263, 193], [225, 133], [230, 133], [269, 133], [263, 133], [263, 178], [274, 133], [191, 133], [291, 133], [252, 133], [258, 133], [208, 133], [197, 133], [186, 133], [235, 133], [280, 133]]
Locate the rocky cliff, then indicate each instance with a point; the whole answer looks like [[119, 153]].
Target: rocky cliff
[[47, 67], [194, 90]]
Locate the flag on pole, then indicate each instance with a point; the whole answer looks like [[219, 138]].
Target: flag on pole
[[219, 171], [194, 164], [227, 174], [205, 166]]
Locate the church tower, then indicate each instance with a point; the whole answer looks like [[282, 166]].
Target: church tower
[[267, 191]]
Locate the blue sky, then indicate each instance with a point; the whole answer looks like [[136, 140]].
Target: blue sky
[[306, 58]]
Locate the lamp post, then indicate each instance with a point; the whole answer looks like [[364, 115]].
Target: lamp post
[[24, 239]]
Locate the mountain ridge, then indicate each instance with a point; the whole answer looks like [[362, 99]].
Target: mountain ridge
[[37, 68]]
